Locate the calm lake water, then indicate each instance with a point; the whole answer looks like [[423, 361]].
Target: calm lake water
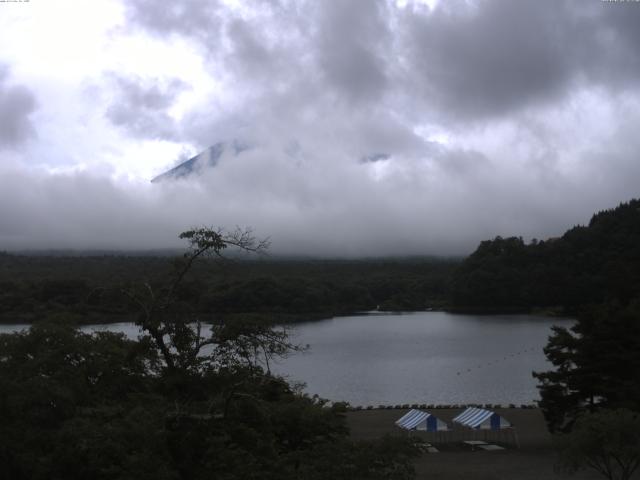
[[423, 357]]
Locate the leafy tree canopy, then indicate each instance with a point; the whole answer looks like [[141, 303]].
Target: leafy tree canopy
[[607, 442], [596, 364]]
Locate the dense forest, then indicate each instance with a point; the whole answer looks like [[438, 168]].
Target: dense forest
[[90, 287], [587, 265]]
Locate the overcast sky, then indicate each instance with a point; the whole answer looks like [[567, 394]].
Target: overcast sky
[[377, 127]]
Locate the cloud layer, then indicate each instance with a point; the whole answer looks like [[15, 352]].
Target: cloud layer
[[473, 119], [17, 103]]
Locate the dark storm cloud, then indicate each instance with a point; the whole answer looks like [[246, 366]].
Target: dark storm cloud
[[17, 103], [489, 58], [250, 53], [611, 36], [459, 61], [350, 45], [341, 43], [186, 17], [474, 60], [140, 106]]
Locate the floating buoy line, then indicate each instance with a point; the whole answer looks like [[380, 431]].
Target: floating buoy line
[[498, 361]]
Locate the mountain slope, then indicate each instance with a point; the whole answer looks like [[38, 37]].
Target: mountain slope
[[205, 159], [211, 156], [588, 264]]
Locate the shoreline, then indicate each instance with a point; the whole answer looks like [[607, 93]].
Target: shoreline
[[97, 318]]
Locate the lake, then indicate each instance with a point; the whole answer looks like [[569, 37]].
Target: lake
[[419, 357], [425, 357]]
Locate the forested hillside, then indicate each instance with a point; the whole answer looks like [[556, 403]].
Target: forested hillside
[[589, 264], [32, 287]]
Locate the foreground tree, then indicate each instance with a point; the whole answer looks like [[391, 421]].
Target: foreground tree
[[175, 404], [596, 365], [74, 405], [607, 441], [177, 335]]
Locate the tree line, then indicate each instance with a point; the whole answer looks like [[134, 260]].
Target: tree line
[[35, 287], [589, 264]]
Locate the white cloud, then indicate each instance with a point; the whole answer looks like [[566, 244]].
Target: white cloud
[[490, 126]]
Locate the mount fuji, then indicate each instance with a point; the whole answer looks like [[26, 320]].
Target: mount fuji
[[205, 159]]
